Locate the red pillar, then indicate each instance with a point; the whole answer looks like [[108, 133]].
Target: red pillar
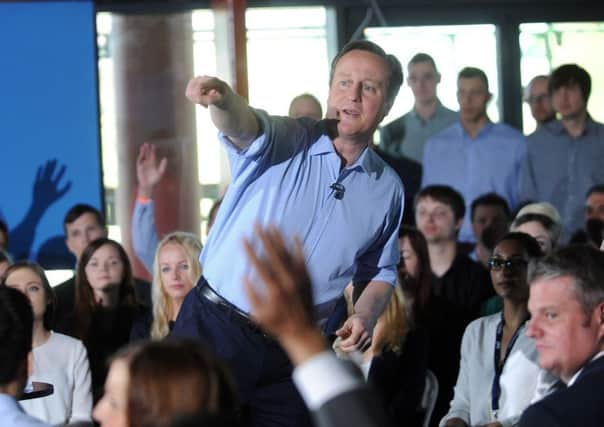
[[153, 61]]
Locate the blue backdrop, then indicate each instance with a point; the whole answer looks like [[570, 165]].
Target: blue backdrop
[[49, 122]]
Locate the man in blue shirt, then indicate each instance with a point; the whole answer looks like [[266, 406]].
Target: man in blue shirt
[[565, 157], [315, 180], [475, 156], [16, 325], [407, 135]]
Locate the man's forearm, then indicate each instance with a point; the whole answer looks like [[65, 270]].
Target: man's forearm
[[235, 119], [373, 300]]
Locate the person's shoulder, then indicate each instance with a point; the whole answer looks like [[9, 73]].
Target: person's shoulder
[[382, 169], [477, 326], [451, 132], [544, 133], [66, 341]]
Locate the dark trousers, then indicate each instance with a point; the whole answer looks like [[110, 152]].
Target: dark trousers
[[260, 367]]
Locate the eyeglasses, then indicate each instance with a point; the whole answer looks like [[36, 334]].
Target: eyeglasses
[[509, 264], [537, 99]]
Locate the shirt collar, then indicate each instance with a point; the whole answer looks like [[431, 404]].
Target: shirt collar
[[324, 145], [439, 109], [556, 126], [485, 130], [576, 376]]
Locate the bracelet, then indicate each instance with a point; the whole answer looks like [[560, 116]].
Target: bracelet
[[143, 200]]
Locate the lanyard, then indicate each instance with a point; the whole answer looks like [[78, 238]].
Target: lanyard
[[496, 387]]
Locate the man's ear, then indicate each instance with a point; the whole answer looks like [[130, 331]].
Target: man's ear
[[489, 97], [437, 78], [458, 224], [599, 315]]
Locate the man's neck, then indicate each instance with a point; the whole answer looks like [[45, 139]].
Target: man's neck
[[575, 125], [442, 255], [349, 150], [473, 127], [425, 110]]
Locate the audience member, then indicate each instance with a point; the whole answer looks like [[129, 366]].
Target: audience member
[[407, 135], [395, 363], [459, 285], [149, 173], [3, 235], [57, 359], [105, 306], [593, 231], [154, 384], [488, 212], [315, 179], [175, 271], [541, 221], [5, 262], [82, 224], [332, 390], [564, 157], [16, 326], [567, 324], [474, 155], [305, 105], [495, 386], [538, 98]]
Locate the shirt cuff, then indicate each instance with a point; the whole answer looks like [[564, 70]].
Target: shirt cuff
[[322, 378]]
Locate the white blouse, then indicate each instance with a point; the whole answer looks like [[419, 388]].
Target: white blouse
[[63, 362]]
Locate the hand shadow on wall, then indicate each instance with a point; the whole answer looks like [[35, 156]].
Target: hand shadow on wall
[[47, 189]]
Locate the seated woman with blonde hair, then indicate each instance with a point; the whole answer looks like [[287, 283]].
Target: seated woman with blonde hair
[[176, 270], [158, 383]]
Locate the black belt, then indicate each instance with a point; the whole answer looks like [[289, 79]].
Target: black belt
[[205, 290]]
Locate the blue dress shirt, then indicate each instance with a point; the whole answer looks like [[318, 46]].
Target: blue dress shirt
[[284, 178], [11, 414], [490, 162], [560, 169]]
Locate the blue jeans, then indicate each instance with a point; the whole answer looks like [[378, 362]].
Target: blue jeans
[[260, 367]]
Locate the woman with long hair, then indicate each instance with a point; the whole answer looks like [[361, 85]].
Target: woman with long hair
[[57, 359], [105, 305], [176, 270]]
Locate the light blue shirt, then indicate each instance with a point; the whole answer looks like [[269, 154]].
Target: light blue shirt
[[144, 233], [560, 169], [284, 178], [490, 162], [407, 135], [11, 414]]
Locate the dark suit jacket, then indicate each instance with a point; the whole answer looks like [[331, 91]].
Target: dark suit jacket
[[582, 404], [360, 407]]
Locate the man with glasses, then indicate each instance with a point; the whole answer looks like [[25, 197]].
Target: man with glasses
[[475, 156], [407, 135], [538, 99]]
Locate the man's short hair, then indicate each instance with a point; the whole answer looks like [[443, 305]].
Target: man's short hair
[[16, 326], [3, 227], [583, 263], [474, 73], [395, 78], [80, 209], [444, 194], [490, 199], [570, 75], [306, 97], [422, 57], [598, 188]]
